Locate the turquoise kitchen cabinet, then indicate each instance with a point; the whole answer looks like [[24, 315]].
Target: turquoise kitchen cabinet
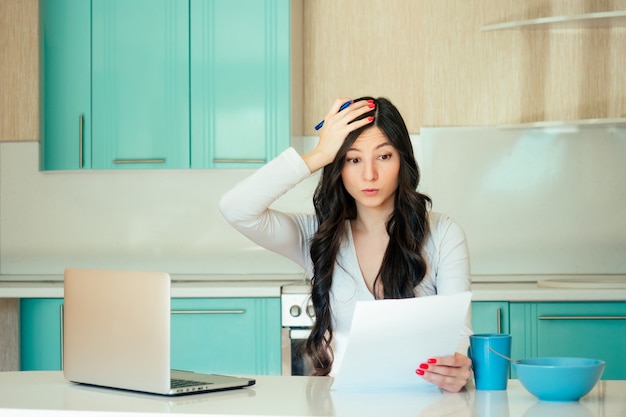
[[130, 84], [240, 79], [582, 329], [490, 316], [220, 335], [41, 337], [115, 76], [140, 84], [227, 335], [65, 84]]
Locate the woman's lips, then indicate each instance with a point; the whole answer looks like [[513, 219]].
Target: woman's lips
[[370, 191]]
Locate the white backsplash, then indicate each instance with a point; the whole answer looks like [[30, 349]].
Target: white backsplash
[[150, 219], [530, 203]]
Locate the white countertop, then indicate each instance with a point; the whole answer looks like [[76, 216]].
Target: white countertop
[[46, 393], [532, 291], [208, 286], [183, 286]]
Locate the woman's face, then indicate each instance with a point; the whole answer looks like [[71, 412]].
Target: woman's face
[[370, 172]]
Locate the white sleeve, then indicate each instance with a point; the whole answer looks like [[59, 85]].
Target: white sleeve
[[246, 208]]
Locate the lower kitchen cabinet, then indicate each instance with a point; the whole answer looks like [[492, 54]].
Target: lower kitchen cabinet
[[41, 334], [490, 316], [581, 329], [227, 335], [219, 335]]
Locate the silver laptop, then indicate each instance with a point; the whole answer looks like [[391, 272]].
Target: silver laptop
[[116, 334]]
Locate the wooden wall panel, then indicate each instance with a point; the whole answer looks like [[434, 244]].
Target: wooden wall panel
[[9, 334], [355, 48], [432, 60], [19, 72]]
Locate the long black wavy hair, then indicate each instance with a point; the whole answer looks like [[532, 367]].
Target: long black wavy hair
[[403, 266]]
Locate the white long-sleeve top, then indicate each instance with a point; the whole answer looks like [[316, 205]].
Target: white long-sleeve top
[[247, 208]]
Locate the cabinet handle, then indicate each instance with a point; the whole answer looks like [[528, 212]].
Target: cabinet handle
[[61, 314], [498, 321], [239, 161], [80, 141], [208, 311], [582, 317], [139, 161]]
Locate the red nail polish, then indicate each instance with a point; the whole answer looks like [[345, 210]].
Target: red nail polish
[[370, 101], [432, 360], [371, 105], [423, 366], [419, 372], [370, 118]]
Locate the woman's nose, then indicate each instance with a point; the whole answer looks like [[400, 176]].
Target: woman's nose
[[369, 171]]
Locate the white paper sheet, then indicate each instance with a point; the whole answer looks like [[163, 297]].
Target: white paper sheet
[[389, 339]]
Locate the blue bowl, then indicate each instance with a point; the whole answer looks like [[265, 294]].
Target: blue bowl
[[559, 379]]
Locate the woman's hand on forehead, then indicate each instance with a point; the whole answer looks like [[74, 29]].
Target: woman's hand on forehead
[[337, 125]]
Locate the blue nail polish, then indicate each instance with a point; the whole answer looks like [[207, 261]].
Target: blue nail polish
[[343, 106]]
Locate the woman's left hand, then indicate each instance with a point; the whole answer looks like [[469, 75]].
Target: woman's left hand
[[450, 373]]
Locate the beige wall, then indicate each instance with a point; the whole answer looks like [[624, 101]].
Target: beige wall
[[429, 57]]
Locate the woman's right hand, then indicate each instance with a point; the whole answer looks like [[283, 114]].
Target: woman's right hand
[[336, 128]]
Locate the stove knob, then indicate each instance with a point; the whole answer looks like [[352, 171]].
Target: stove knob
[[310, 311], [295, 310]]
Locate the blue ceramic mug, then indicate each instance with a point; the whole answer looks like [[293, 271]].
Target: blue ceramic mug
[[491, 371]]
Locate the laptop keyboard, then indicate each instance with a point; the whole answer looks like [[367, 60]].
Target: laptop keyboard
[[181, 383]]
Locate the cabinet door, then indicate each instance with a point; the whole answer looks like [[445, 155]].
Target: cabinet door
[[227, 335], [591, 330], [140, 84], [41, 334], [65, 84], [240, 82], [490, 316]]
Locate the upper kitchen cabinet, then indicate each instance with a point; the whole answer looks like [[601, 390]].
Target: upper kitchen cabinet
[[140, 84], [65, 83], [164, 84], [240, 82], [115, 84]]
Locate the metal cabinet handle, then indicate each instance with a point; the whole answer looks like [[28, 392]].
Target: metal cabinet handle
[[498, 321], [61, 314], [208, 311], [139, 161], [80, 140], [239, 161], [582, 317]]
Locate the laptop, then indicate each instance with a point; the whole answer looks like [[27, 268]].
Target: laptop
[[116, 334]]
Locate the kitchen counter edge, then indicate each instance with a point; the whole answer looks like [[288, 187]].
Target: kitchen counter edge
[[235, 286]]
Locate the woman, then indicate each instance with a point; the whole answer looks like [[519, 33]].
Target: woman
[[372, 235]]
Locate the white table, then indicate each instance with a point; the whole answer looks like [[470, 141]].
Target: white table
[[46, 393]]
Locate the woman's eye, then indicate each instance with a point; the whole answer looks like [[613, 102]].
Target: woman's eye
[[352, 160], [385, 156]]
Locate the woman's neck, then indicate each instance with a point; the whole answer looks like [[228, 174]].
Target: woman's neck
[[371, 220]]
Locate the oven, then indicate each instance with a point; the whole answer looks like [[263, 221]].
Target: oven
[[297, 317]]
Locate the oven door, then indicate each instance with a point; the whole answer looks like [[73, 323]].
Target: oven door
[[294, 359]]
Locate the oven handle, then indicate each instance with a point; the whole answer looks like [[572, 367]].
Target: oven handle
[[299, 334]]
